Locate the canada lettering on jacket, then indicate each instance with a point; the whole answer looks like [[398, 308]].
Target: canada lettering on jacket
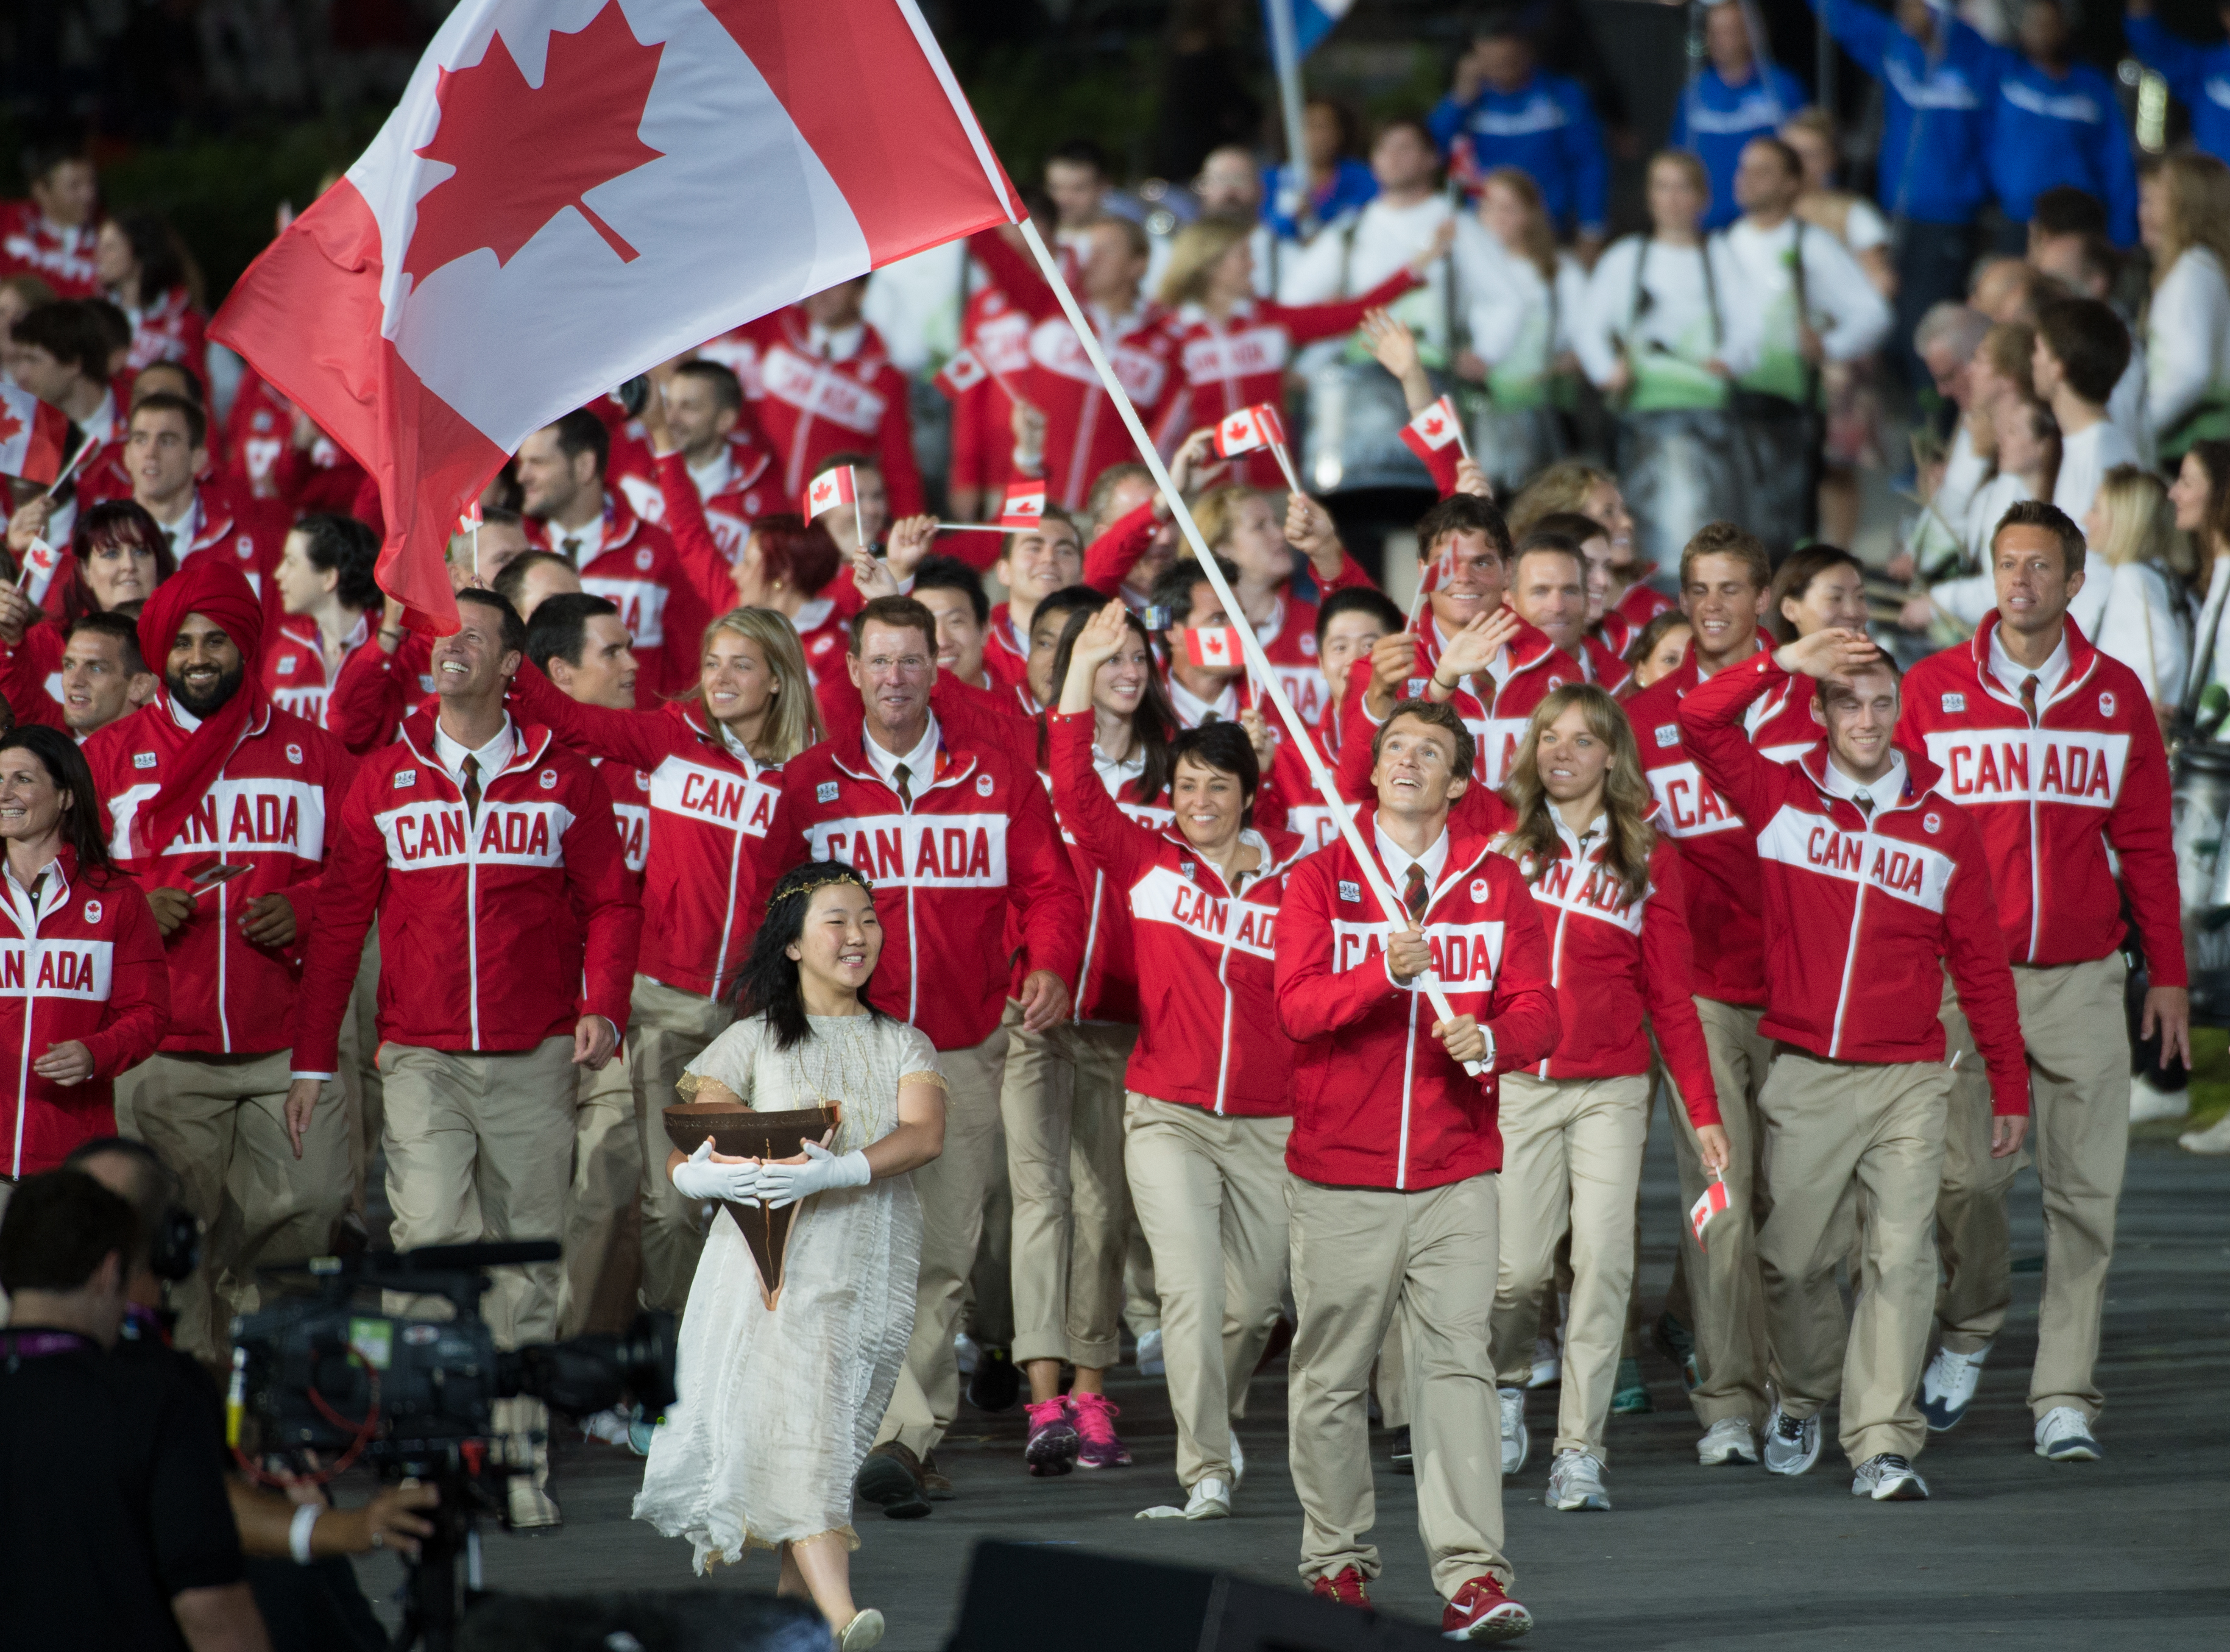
[[1465, 956], [65, 969], [1164, 897], [1236, 355], [1598, 894], [1993, 765], [1689, 802], [642, 604], [1906, 870], [287, 816], [714, 796], [918, 851], [434, 834]]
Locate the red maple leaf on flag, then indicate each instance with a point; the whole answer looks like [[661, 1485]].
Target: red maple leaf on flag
[[10, 426], [1431, 426], [524, 154]]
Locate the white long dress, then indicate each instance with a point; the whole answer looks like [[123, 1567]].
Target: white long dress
[[778, 1406]]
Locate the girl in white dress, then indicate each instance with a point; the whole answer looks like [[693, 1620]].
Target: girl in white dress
[[779, 1404]]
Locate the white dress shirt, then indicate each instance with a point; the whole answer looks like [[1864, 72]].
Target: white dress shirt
[[494, 758], [920, 763], [2010, 671], [1879, 793]]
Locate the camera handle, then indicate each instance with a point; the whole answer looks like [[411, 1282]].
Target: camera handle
[[431, 1606]]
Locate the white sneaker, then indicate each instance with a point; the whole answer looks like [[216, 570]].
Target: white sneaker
[[866, 1630], [1888, 1478], [1516, 1443], [1792, 1446], [1575, 1483], [1727, 1441], [965, 1352], [2150, 1106], [1150, 1363], [1238, 1462], [2063, 1433], [610, 1425], [1210, 1499], [1947, 1387], [1548, 1367], [2214, 1140]]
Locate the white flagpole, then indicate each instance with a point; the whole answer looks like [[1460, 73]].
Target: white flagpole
[[1397, 914], [1285, 52]]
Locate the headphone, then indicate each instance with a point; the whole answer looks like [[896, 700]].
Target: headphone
[[174, 1238]]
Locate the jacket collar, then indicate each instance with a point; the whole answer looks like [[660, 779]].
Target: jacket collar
[[1921, 778], [620, 525], [534, 738], [1466, 850], [2082, 660], [951, 769]]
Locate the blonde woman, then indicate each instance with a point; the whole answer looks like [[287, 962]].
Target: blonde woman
[[2183, 218], [1607, 886], [2131, 528], [1521, 299], [1232, 348], [714, 761]]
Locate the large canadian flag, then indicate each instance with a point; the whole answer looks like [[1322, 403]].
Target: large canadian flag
[[573, 190]]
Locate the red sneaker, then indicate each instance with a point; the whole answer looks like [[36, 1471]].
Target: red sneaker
[[1094, 1416], [1344, 1586], [1481, 1612], [1054, 1442]]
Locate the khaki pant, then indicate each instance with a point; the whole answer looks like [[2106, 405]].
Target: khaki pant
[[1724, 1295], [1971, 1230], [1571, 1152], [953, 1188], [1210, 1193], [1844, 1137], [1142, 1302], [1061, 1103], [479, 1148], [1358, 1254], [603, 1231], [666, 1029], [220, 1123], [361, 1086], [2079, 1068]]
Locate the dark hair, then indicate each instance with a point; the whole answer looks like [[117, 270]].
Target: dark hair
[[1344, 117], [69, 331], [1728, 539], [794, 549], [1223, 746], [560, 626], [42, 155], [123, 627], [2043, 514], [193, 413], [155, 1184], [1572, 525], [857, 460], [1462, 514], [66, 766], [727, 389], [1557, 544], [1647, 639], [1153, 724], [344, 546], [950, 573], [900, 613], [2063, 209], [112, 522], [155, 248], [1424, 132], [2213, 455], [1785, 153], [767, 984], [2092, 343], [1060, 604], [115, 326], [500, 516], [1358, 599], [1174, 587], [511, 581], [1795, 578], [1441, 714], [579, 432], [195, 392], [1083, 151], [512, 635], [59, 1229]]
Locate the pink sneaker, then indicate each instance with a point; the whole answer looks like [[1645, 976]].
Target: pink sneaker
[[1094, 1416], [1054, 1442]]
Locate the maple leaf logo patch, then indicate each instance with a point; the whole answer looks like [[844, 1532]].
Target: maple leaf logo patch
[[522, 154]]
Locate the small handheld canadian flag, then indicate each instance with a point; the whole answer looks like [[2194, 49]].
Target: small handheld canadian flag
[[468, 519], [39, 565], [1434, 430], [962, 372], [1214, 646], [828, 490], [1250, 427], [1025, 505], [1701, 1212]]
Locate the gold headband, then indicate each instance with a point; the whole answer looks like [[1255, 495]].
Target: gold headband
[[850, 877]]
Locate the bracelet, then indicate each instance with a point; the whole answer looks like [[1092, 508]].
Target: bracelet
[[1450, 687], [298, 1534], [391, 630]]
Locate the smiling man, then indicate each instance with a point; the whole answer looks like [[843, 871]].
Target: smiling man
[[1033, 565], [217, 803]]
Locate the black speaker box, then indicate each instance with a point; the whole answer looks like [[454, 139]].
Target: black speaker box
[[694, 1619]]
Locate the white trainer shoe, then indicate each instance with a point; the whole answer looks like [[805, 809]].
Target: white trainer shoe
[[1150, 1363], [2063, 1433], [1729, 1440], [1238, 1461], [1210, 1499], [1548, 1366], [2214, 1140], [1791, 1446], [965, 1353], [1516, 1443], [1575, 1483], [1947, 1387], [2150, 1106], [1888, 1478]]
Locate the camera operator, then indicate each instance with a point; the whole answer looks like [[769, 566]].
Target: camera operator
[[114, 1528], [295, 1541]]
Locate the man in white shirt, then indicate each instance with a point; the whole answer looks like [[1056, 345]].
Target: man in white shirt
[[1354, 255], [2081, 350]]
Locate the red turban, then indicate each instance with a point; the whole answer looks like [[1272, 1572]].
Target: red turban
[[210, 586]]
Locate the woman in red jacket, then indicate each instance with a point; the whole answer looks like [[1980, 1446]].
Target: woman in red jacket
[[1607, 887], [1234, 349], [1207, 1114], [84, 990]]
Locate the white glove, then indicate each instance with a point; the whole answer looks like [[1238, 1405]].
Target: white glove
[[699, 1177], [780, 1184]]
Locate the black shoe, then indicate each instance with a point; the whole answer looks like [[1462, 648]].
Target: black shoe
[[934, 1485], [891, 1479], [1400, 1456], [996, 1384]]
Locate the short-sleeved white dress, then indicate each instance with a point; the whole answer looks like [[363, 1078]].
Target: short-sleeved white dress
[[778, 1407]]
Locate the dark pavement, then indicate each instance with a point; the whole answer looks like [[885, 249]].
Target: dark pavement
[[2011, 1551]]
